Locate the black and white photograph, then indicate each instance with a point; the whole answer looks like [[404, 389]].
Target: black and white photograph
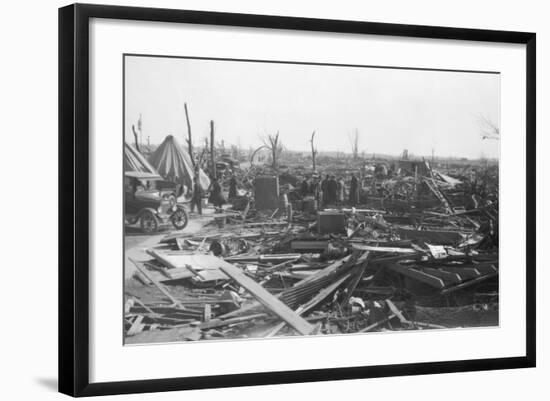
[[277, 199]]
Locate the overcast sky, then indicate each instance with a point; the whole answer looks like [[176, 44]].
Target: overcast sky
[[393, 109]]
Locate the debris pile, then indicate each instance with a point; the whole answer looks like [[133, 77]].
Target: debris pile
[[419, 251]]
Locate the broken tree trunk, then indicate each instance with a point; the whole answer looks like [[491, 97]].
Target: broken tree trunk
[[313, 153], [189, 136], [136, 138], [212, 150]]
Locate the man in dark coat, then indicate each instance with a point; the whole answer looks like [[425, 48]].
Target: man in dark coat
[[232, 187], [216, 196], [324, 189], [304, 188], [196, 199], [332, 189], [315, 189], [354, 191]]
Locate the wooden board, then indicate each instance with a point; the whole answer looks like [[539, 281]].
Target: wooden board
[[439, 237], [370, 248], [425, 278], [465, 273], [195, 263], [268, 300]]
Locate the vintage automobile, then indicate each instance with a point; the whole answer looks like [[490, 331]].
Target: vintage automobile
[[152, 201]]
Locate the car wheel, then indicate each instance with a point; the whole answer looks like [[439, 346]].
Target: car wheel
[[179, 219], [148, 222]]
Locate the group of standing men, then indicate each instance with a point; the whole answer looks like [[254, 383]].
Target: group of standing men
[[331, 191], [216, 195]]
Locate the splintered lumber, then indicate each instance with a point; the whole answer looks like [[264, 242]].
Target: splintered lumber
[[396, 311], [162, 289], [268, 300], [359, 273], [378, 323], [301, 289], [136, 327], [387, 249], [325, 292], [439, 195]]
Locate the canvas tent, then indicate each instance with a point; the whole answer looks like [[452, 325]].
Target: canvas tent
[[135, 161], [174, 164]]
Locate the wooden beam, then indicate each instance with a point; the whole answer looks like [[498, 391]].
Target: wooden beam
[[387, 249], [417, 275], [268, 300]]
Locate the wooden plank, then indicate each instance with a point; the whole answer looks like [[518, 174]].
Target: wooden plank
[[425, 278], [268, 300], [396, 311], [376, 324], [486, 268], [467, 284], [387, 249], [440, 237], [359, 273], [465, 273], [195, 263], [453, 278], [213, 323]]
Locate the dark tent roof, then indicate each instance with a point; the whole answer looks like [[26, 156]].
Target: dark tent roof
[[174, 163], [135, 161]]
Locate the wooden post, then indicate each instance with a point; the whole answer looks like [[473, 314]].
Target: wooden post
[[212, 150], [189, 136]]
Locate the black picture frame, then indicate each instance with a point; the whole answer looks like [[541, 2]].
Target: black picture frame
[[74, 198]]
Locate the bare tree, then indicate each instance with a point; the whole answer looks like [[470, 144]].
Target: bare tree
[[136, 138], [203, 157], [253, 152], [354, 141], [489, 130], [189, 139], [276, 147], [212, 150], [313, 152]]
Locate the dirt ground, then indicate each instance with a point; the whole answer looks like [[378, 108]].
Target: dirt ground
[[135, 242]]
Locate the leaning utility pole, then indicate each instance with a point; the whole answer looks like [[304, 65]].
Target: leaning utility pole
[[313, 153], [212, 150], [189, 137]]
